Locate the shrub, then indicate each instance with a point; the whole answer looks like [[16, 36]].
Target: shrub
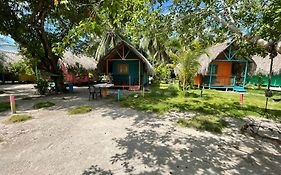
[[19, 118], [162, 73], [42, 86]]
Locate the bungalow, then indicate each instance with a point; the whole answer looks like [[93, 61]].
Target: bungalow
[[75, 68], [221, 68], [261, 72], [8, 59], [78, 68], [126, 66]]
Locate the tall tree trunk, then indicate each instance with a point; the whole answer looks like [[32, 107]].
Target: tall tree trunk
[[57, 76], [51, 58]]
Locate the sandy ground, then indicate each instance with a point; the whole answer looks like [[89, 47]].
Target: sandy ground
[[115, 140]]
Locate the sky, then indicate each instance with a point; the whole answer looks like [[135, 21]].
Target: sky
[[7, 44]]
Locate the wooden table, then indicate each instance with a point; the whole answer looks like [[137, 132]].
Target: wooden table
[[103, 87]]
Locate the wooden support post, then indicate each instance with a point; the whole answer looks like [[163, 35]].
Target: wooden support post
[[211, 72], [241, 98], [36, 72], [118, 94], [139, 72], [13, 104], [123, 52], [245, 74], [127, 54], [106, 67]]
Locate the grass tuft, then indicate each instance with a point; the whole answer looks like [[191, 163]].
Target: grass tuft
[[80, 110], [19, 118], [4, 106], [45, 104], [206, 123]]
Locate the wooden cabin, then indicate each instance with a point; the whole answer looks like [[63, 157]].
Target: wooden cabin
[[77, 67], [221, 68], [126, 66]]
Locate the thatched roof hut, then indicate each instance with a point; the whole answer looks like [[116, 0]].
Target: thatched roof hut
[[72, 60], [263, 65], [113, 51], [7, 58], [69, 59], [211, 53]]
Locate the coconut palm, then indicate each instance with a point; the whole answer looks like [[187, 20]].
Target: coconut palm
[[109, 41], [187, 63], [155, 49]]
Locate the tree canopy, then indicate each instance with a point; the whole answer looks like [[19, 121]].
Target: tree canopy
[[44, 29]]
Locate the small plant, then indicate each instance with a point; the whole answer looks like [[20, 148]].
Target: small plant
[[80, 110], [19, 118], [4, 106], [42, 86], [260, 80], [206, 123], [173, 89], [43, 105]]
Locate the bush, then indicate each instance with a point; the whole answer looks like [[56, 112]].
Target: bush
[[162, 73], [19, 118], [42, 86]]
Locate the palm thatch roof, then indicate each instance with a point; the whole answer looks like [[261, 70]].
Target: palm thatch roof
[[72, 60], [69, 59], [210, 54], [7, 58], [263, 64], [106, 49], [213, 52]]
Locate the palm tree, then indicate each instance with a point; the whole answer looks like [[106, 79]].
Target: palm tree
[[187, 63], [156, 50], [109, 41]]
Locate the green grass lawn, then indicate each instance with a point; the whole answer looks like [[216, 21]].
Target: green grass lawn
[[214, 103], [4, 106]]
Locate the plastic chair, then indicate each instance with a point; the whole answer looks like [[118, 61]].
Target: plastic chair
[[94, 92]]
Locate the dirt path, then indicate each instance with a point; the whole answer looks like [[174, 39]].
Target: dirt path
[[114, 140]]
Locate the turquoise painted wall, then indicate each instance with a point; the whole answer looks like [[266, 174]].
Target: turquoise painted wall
[[123, 79]]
